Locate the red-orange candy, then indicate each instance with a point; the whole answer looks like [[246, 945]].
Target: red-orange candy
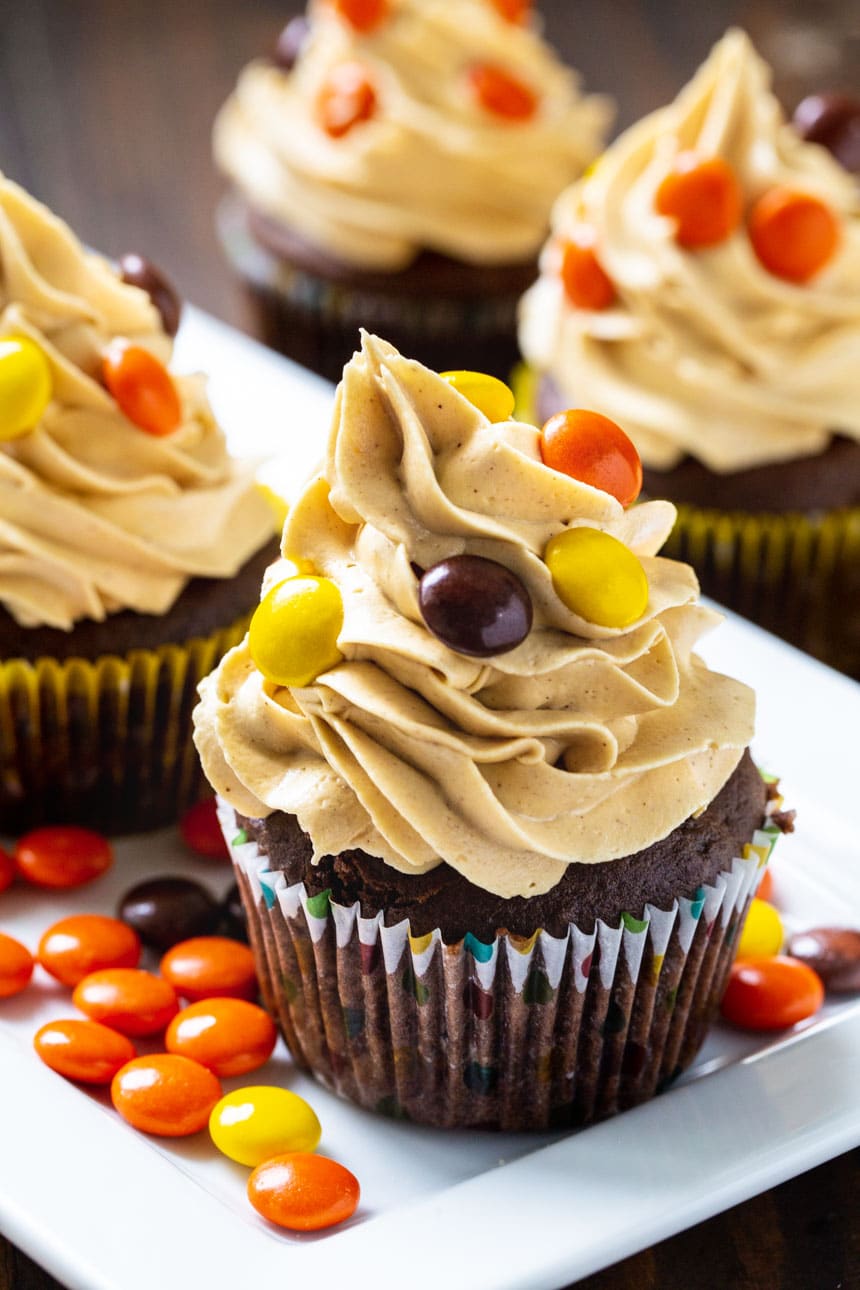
[[128, 999], [165, 1094], [513, 10], [704, 197], [16, 966], [143, 387], [363, 15], [84, 943], [60, 856], [793, 234], [201, 831], [7, 870], [499, 92], [593, 449], [771, 993], [228, 1036], [347, 97], [210, 967], [303, 1192], [586, 283], [85, 1051]]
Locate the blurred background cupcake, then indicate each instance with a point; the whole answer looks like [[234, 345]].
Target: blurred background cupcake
[[393, 167]]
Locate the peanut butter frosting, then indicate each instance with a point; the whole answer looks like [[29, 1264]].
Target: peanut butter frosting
[[432, 169], [582, 744], [705, 352], [95, 514]]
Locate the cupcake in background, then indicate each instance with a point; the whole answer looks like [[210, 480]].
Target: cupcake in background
[[132, 547], [702, 286], [394, 167]]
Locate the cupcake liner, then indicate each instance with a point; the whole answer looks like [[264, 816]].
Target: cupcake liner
[[523, 1033]]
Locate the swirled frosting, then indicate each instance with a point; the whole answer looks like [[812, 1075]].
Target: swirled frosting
[[95, 514], [705, 352], [432, 170], [583, 743]]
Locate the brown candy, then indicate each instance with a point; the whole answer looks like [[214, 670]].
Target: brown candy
[[833, 120], [140, 272], [164, 911], [288, 46], [833, 952]]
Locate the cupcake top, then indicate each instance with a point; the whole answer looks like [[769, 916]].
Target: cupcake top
[[408, 125], [468, 655], [116, 486], [702, 284]]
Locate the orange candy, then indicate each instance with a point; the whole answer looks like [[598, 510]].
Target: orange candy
[[502, 94], [83, 1050], [211, 967], [228, 1036], [590, 447], [771, 993], [303, 1192], [128, 999], [513, 10], [704, 197], [165, 1094], [84, 943], [793, 234], [7, 870], [60, 856], [346, 98], [142, 386], [765, 887], [16, 966], [201, 831], [586, 283], [363, 15]]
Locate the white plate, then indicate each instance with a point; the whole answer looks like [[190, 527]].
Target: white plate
[[105, 1208]]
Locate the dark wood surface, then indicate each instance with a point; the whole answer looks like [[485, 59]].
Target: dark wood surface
[[105, 114]]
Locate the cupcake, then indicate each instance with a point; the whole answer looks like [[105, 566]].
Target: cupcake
[[494, 822], [132, 547], [394, 168], [702, 286]]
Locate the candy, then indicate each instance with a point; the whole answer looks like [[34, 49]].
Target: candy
[[765, 887], [201, 831], [143, 388], [85, 1051], [294, 631], [704, 197], [590, 447], [303, 1192], [62, 856], [833, 120], [771, 993], [233, 917], [211, 967], [254, 1124], [499, 92], [16, 966], [597, 577], [513, 10], [363, 15], [7, 869], [489, 395], [84, 943], [346, 98], [793, 234], [25, 386], [585, 281], [164, 911], [289, 44], [475, 606], [762, 933], [832, 952], [165, 1094], [127, 999], [140, 272], [229, 1036]]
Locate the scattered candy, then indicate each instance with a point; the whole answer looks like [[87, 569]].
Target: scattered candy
[[704, 197], [597, 577], [346, 98], [499, 92], [84, 943], [590, 447], [8, 870], [832, 952], [516, 11], [208, 967], [16, 966], [254, 1124], [289, 44], [489, 395], [201, 831], [85, 1051], [771, 993], [140, 272], [143, 388], [165, 1094], [833, 120], [765, 887], [62, 856], [229, 1036], [762, 933], [233, 917], [164, 911], [294, 631], [475, 606], [303, 1192], [363, 15], [25, 386], [793, 234], [585, 281], [127, 999]]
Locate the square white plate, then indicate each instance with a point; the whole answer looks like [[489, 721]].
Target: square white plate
[[105, 1208]]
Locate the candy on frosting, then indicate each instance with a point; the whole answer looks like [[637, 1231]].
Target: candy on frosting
[[95, 515], [419, 754], [433, 169], [705, 352]]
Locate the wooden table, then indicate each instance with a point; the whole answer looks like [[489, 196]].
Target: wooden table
[[106, 112]]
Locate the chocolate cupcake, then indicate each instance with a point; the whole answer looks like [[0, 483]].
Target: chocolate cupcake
[[132, 547], [393, 167], [494, 822]]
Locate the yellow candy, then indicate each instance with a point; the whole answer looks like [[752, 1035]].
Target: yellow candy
[[597, 577], [762, 933], [25, 386], [489, 395], [254, 1124], [293, 634]]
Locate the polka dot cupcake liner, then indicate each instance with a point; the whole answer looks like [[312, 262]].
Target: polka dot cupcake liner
[[536, 1033]]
